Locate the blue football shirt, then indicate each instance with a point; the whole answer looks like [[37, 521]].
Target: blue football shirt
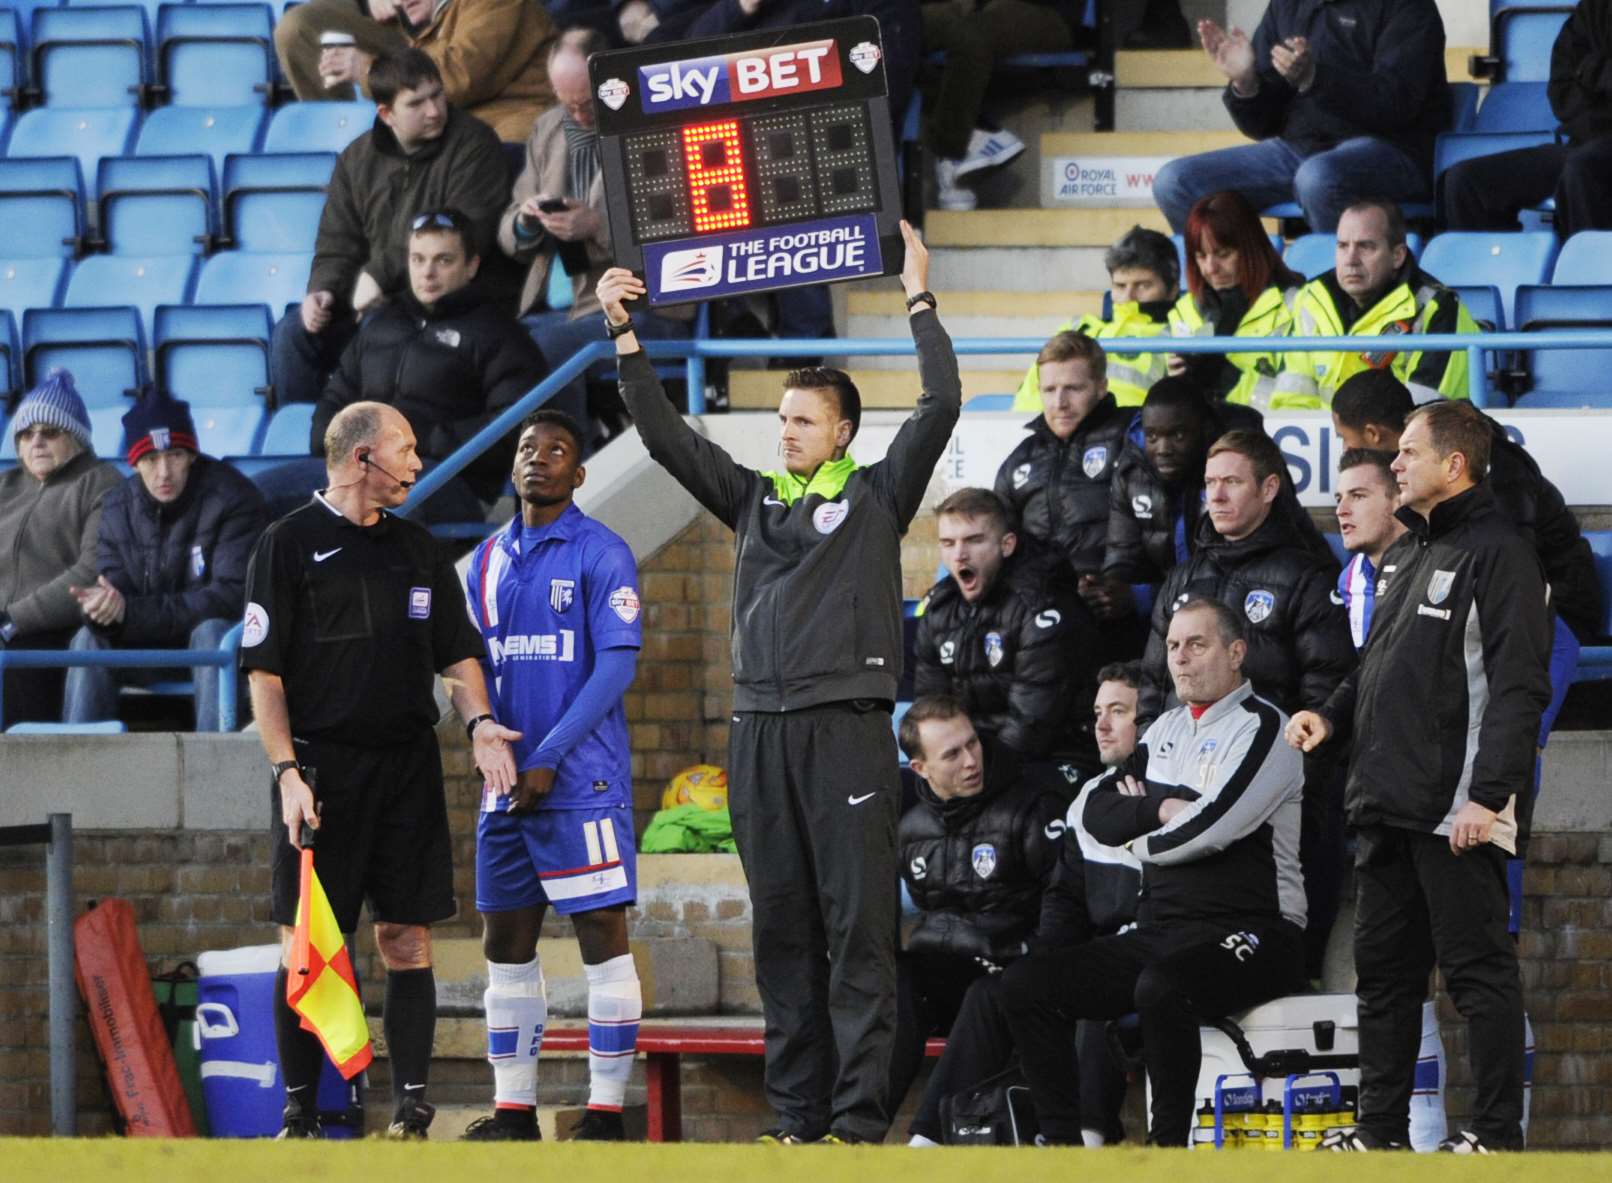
[[546, 602]]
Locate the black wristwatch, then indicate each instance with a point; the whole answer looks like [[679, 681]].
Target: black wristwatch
[[281, 768], [470, 727], [614, 330], [921, 298]]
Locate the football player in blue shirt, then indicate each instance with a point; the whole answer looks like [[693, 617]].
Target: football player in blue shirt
[[555, 596]]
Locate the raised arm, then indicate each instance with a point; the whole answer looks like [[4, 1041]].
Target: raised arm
[[706, 470]]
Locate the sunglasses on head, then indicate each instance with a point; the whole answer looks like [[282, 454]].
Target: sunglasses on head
[[439, 220]]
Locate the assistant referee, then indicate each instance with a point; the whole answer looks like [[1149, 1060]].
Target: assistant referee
[[350, 616]]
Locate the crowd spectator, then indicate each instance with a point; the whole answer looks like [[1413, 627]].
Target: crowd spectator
[[1056, 480], [1093, 891], [1253, 556], [975, 853], [422, 154], [1487, 192], [50, 510], [1005, 634], [1144, 278], [1376, 288], [493, 55], [1367, 494], [1209, 804], [1156, 497], [1449, 693], [1237, 286], [446, 358], [1154, 24], [174, 540], [556, 217], [1345, 99], [374, 26], [974, 36]]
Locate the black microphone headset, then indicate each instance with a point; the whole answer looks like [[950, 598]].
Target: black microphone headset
[[363, 458]]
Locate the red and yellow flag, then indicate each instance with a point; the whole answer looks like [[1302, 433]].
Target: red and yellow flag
[[321, 987]]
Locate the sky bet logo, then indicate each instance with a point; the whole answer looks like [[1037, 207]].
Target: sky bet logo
[[739, 77]]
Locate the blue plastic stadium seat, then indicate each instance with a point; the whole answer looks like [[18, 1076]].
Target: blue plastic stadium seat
[[1485, 304], [89, 57], [1311, 254], [227, 430], [1463, 258], [246, 277], [213, 354], [1452, 148], [1586, 258], [215, 131], [86, 133], [1514, 106], [101, 346], [1565, 377], [1464, 98], [988, 402], [156, 205], [41, 207], [1521, 38], [273, 202], [11, 59], [106, 429], [10, 369], [1595, 661], [318, 127], [141, 281], [32, 283], [216, 55], [287, 433]]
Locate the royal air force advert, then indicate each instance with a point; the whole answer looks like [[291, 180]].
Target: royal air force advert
[[747, 163]]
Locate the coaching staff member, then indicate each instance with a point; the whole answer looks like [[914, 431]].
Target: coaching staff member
[[816, 657], [350, 616], [1445, 710]]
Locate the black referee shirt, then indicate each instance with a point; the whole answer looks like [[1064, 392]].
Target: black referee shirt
[[357, 620]]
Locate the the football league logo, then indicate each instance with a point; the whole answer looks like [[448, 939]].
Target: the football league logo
[[686, 271], [865, 56], [613, 93]]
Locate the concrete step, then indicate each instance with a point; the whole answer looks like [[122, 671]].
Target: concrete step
[[1165, 69], [1028, 305], [1013, 270], [1173, 109], [1037, 228], [678, 977], [881, 389]]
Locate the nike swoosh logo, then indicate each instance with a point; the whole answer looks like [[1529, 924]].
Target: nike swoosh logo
[[772, 501], [862, 798], [320, 556]]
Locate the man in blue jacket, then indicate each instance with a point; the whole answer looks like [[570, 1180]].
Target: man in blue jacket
[[173, 546], [1345, 99]]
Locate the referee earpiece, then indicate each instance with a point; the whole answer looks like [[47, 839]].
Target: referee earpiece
[[363, 457]]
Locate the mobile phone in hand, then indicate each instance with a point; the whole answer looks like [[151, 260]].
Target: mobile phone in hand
[[554, 205]]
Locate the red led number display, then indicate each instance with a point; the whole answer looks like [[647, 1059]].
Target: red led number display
[[717, 190]]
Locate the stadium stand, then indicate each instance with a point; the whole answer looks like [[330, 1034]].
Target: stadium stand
[[103, 347], [142, 281], [1564, 377], [156, 205], [1586, 258], [90, 57], [216, 131], [247, 277], [41, 208], [1520, 40], [272, 202], [84, 133], [1504, 261], [317, 127], [216, 54]]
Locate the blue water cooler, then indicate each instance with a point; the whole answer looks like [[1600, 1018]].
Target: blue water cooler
[[240, 1067]]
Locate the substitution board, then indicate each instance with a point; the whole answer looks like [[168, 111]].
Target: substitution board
[[751, 162]]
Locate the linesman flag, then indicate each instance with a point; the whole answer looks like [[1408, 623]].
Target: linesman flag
[[321, 987]]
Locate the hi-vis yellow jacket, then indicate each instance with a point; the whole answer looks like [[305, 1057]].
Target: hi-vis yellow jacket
[[1130, 375], [1419, 304], [1269, 315]]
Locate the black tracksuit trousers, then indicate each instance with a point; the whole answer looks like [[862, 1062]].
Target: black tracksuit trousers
[[1419, 904], [815, 796], [1174, 976]]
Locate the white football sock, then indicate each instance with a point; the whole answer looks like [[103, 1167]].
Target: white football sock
[[615, 1005], [517, 1012]]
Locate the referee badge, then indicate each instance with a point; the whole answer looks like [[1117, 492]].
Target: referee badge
[[561, 593]]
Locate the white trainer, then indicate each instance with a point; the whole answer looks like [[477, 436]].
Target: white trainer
[[949, 195], [989, 149]]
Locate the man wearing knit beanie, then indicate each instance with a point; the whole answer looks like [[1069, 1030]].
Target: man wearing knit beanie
[[171, 564], [50, 507]]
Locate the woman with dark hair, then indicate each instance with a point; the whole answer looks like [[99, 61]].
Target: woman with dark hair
[[1236, 286]]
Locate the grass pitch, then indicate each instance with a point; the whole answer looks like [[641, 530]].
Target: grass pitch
[[140, 1161]]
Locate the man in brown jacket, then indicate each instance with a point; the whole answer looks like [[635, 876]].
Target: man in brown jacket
[[422, 154], [556, 217], [50, 513], [493, 54]]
